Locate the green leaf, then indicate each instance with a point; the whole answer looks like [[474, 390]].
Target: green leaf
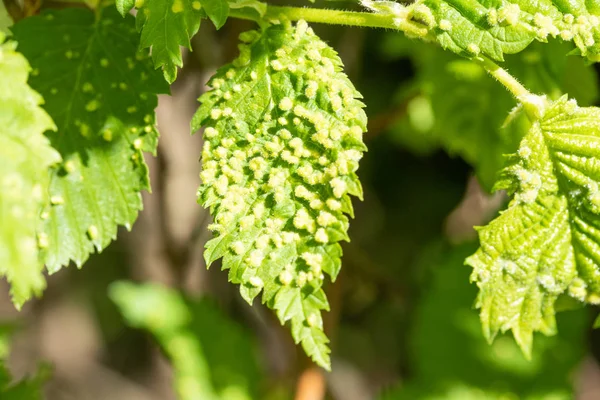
[[217, 11], [496, 28], [445, 329], [27, 389], [548, 241], [258, 6], [25, 159], [597, 322], [212, 356], [101, 93], [164, 313], [283, 136], [165, 25]]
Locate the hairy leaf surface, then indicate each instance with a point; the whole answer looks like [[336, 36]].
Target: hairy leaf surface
[[548, 241], [283, 139], [496, 28], [25, 159], [101, 93]]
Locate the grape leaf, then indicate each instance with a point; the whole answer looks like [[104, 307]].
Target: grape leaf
[[165, 26], [473, 27], [547, 243], [101, 93], [282, 142], [25, 159]]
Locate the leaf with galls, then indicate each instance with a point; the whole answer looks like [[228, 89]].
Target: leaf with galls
[[25, 158], [474, 27], [548, 241], [101, 94], [283, 137]]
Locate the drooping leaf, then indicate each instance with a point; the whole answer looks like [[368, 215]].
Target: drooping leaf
[[101, 93], [548, 241], [211, 355], [283, 136], [496, 28], [217, 11], [165, 25], [450, 359], [25, 160]]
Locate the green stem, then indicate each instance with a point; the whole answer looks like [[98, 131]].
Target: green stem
[[323, 16], [505, 78], [535, 106]]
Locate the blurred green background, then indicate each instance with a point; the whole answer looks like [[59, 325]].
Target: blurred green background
[[402, 323]]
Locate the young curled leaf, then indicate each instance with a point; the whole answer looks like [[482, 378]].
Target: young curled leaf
[[283, 137], [548, 241]]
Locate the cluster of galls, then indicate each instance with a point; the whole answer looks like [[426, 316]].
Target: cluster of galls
[[281, 165], [581, 29], [418, 20]]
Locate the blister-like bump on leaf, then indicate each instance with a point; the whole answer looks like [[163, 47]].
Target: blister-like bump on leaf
[[101, 93], [474, 27], [548, 241], [25, 158], [283, 137]]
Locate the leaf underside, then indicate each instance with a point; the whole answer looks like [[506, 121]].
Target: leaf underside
[[101, 93], [283, 136], [25, 158], [548, 241]]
